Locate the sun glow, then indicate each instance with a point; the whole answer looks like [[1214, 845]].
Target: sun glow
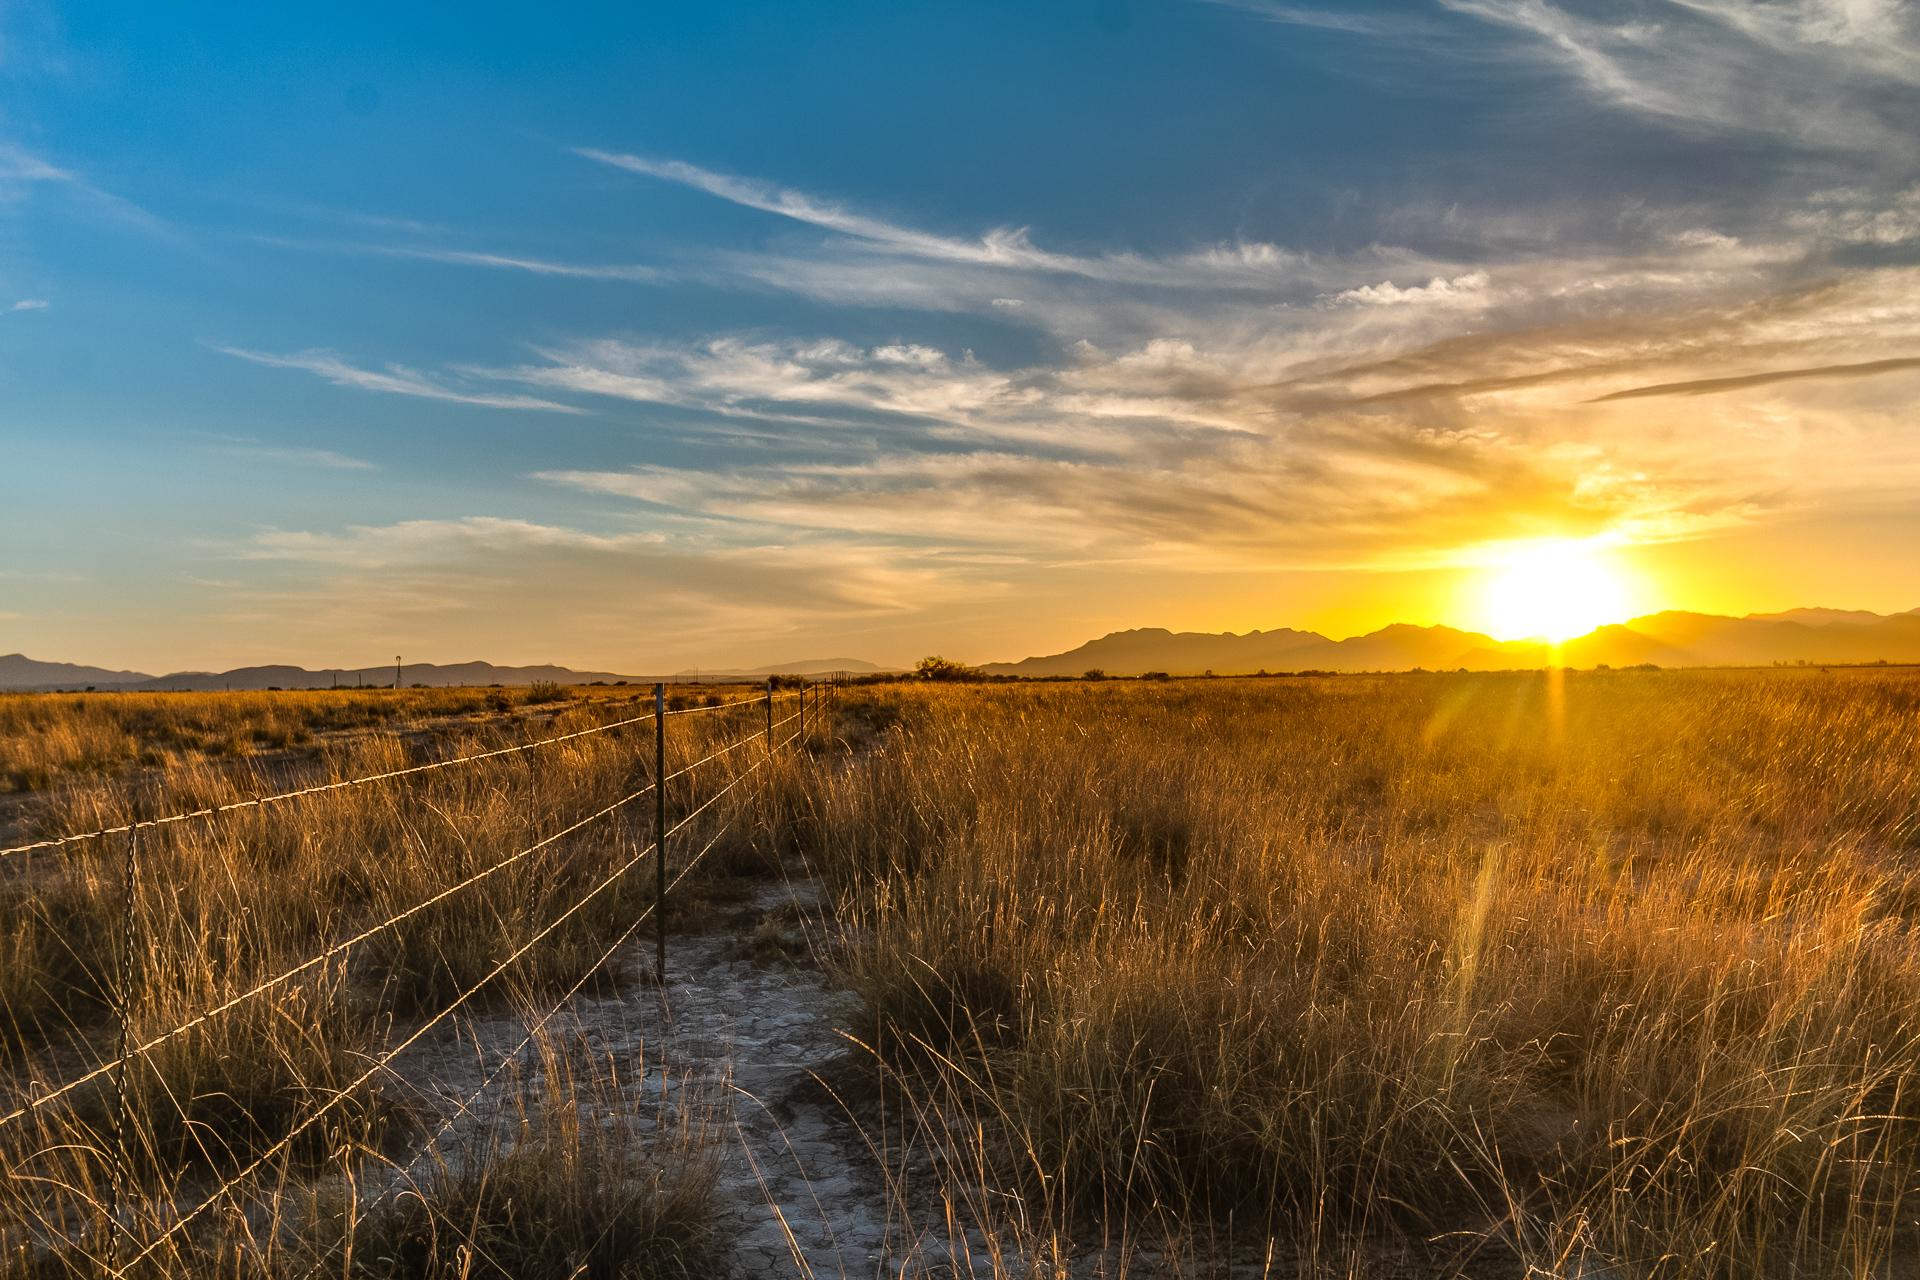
[[1553, 591]]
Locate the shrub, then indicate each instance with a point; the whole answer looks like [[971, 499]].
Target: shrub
[[938, 668]]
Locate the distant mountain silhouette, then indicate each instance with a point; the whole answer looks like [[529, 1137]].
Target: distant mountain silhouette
[[22, 673], [431, 674], [806, 667], [17, 671], [1151, 648], [1818, 617], [1673, 639]]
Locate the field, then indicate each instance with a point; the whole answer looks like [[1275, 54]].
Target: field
[[47, 740], [1607, 973], [277, 954]]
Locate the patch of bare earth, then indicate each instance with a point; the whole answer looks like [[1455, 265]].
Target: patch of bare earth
[[749, 1030]]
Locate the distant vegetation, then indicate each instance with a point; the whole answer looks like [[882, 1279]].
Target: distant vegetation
[[944, 669]]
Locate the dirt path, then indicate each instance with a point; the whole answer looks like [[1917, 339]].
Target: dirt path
[[749, 1023]]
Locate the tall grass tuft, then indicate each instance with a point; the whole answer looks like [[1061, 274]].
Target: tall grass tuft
[[562, 1178]]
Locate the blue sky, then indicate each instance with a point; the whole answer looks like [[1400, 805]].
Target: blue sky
[[641, 337]]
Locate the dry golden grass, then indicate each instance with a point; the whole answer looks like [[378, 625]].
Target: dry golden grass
[[561, 1180], [224, 906], [48, 738], [1604, 974], [1609, 973]]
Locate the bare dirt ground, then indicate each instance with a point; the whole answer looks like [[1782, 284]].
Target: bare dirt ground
[[749, 1025]]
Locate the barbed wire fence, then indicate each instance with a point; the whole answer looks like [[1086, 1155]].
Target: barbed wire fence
[[127, 1247]]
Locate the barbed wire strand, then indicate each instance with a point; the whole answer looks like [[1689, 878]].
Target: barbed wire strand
[[381, 1063], [341, 948], [747, 741], [331, 953], [466, 1105], [722, 706], [214, 810], [257, 801]]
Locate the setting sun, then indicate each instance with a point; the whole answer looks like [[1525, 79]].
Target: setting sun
[[1553, 591]]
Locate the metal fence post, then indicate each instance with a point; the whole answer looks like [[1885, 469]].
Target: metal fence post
[[660, 831], [769, 722], [122, 1112], [803, 712]]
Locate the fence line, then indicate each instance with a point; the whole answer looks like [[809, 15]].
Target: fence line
[[333, 952], [346, 945], [128, 1054], [746, 741], [382, 1062], [258, 801]]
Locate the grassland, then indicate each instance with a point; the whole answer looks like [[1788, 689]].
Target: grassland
[[217, 912], [47, 740], [1595, 974]]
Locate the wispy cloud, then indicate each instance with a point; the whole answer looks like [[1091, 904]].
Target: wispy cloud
[[1226, 266], [1397, 24], [628, 273], [1240, 404], [17, 164], [375, 546], [22, 170], [1804, 72], [632, 273], [392, 379], [1740, 382], [1005, 247], [325, 459], [29, 304]]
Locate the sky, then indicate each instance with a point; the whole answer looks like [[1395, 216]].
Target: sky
[[652, 337]]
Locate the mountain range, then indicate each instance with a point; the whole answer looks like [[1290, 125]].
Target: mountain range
[[1673, 639], [19, 672]]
